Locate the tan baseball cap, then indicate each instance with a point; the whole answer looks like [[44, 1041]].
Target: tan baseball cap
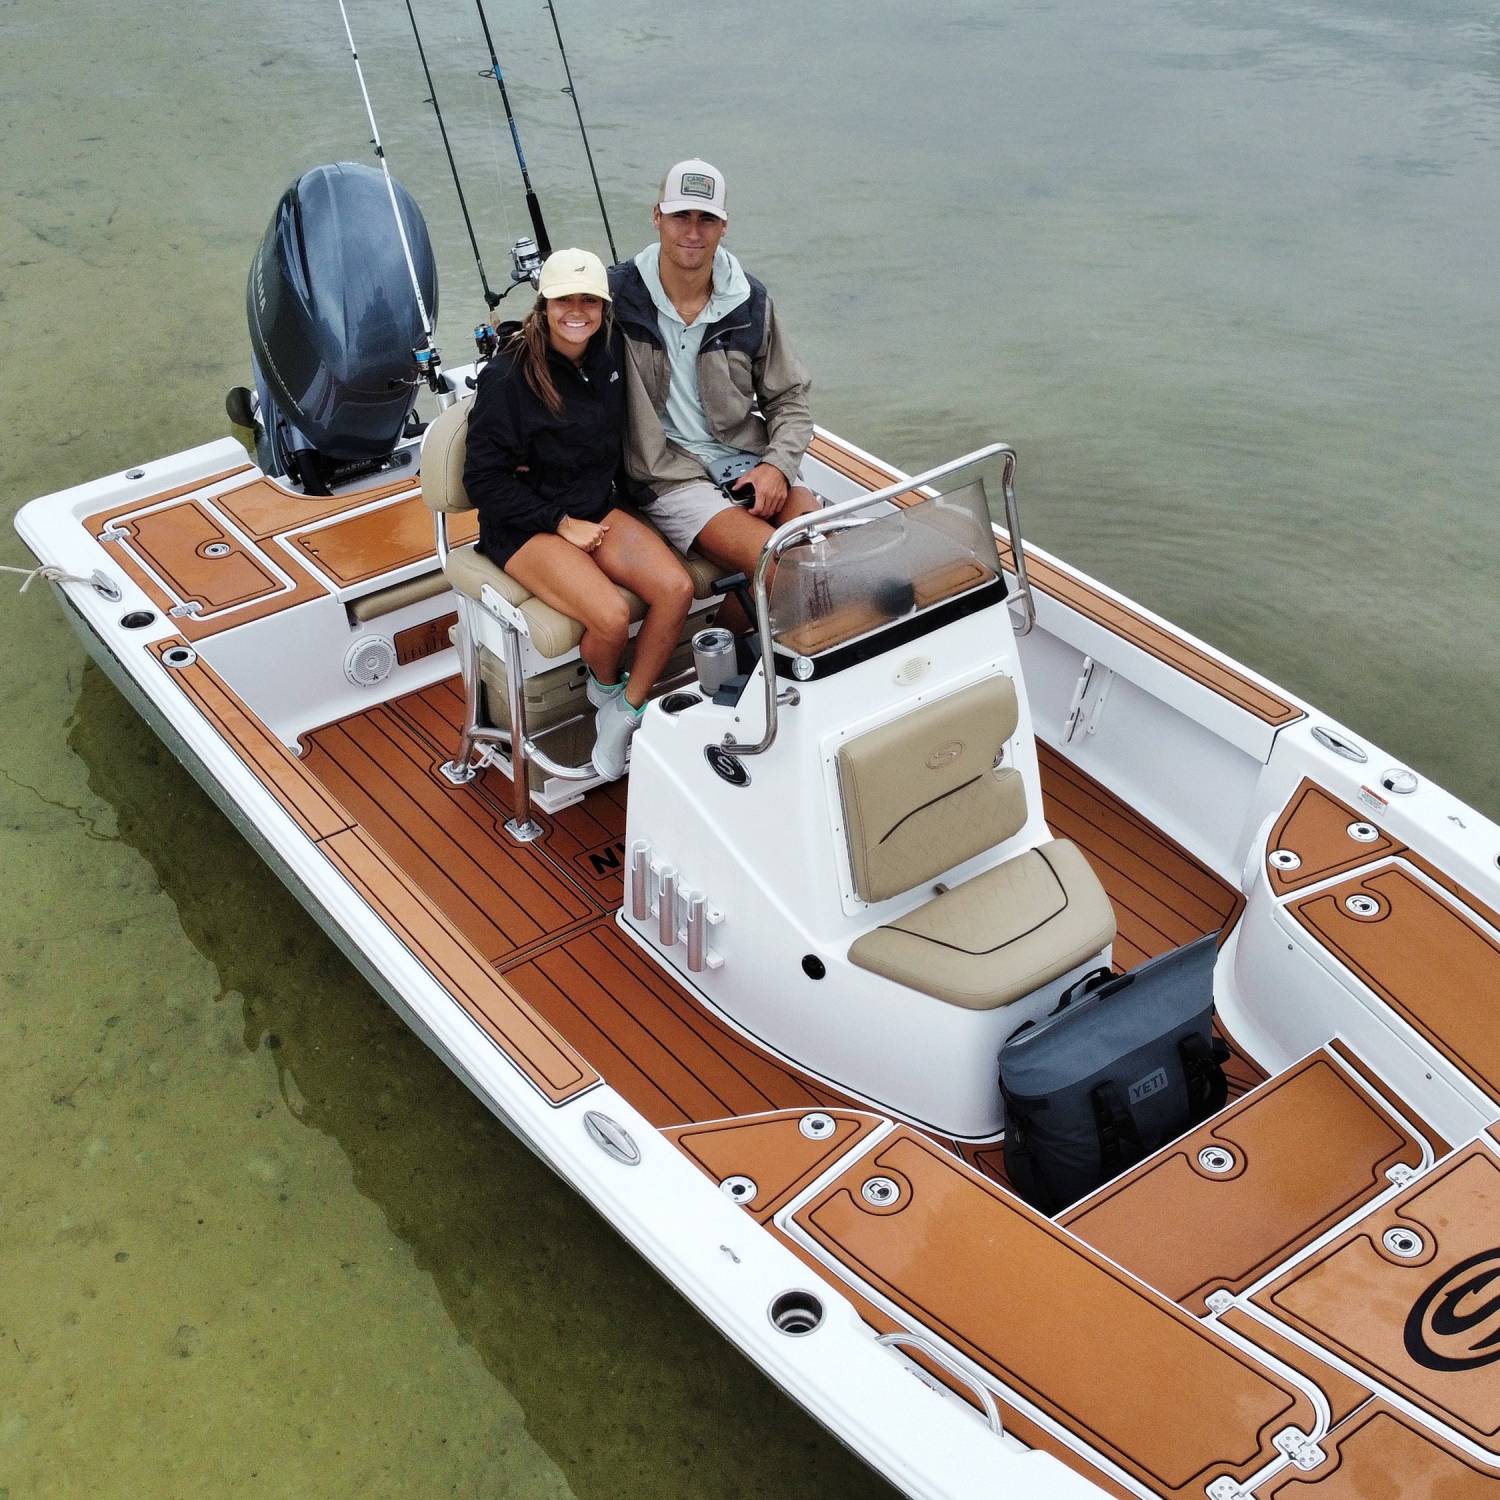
[[566, 273], [693, 184]]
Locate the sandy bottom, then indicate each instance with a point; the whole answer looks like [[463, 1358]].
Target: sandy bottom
[[255, 1239]]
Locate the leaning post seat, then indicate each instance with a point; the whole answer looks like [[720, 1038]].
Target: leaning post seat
[[528, 635], [927, 793]]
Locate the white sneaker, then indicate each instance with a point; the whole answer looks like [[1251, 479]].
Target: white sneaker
[[614, 724], [599, 693]]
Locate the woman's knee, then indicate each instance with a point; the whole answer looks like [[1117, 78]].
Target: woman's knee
[[672, 590], [609, 618]]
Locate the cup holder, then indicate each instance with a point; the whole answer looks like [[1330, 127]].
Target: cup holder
[[674, 703], [796, 1313]]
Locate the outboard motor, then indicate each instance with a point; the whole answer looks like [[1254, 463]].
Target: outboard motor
[[334, 324]]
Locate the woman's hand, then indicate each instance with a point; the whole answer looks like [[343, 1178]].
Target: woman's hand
[[585, 535]]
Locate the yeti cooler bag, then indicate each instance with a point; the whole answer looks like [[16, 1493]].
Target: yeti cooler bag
[[1124, 1064]]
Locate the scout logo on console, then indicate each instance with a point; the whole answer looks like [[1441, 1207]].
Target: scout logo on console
[[1455, 1323]]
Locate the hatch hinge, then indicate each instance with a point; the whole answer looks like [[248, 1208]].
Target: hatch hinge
[[1401, 1174], [1299, 1447], [189, 607], [1225, 1488], [114, 534]]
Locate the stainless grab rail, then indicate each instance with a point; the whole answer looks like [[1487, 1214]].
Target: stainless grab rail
[[931, 1350], [819, 520], [1017, 546]]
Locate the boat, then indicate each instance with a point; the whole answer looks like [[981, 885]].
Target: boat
[[749, 1001]]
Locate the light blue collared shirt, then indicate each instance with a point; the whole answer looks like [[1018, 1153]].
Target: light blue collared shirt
[[683, 420]]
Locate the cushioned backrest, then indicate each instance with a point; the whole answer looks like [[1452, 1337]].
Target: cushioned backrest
[[923, 794], [443, 458]]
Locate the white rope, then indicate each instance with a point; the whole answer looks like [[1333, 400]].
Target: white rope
[[48, 572]]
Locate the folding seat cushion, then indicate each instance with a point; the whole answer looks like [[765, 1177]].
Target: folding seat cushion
[[997, 937]]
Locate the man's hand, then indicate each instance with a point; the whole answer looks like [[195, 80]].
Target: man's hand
[[585, 535], [770, 487]]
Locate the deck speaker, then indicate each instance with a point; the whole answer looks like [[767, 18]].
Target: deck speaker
[[369, 661]]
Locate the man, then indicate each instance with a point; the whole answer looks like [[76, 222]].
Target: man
[[713, 391]]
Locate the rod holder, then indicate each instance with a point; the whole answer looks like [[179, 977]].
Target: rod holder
[[697, 932], [640, 880], [666, 907]]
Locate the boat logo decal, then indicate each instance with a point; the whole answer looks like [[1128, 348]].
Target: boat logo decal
[[1455, 1323], [730, 767], [945, 755]]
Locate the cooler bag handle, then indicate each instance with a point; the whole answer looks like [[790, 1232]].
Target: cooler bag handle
[[1095, 978], [1207, 1087], [1119, 1140]]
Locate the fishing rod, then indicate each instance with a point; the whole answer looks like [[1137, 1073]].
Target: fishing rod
[[492, 299], [428, 358], [544, 245], [572, 93]]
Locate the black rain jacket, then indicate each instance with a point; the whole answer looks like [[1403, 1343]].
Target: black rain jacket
[[570, 461]]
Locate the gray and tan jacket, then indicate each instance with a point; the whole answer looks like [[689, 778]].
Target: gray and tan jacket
[[753, 386]]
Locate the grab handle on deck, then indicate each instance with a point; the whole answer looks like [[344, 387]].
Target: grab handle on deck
[[931, 1350]]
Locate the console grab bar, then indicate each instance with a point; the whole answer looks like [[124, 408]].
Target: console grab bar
[[819, 520]]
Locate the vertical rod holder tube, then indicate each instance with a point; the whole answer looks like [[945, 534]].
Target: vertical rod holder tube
[[697, 932], [640, 880], [666, 906]]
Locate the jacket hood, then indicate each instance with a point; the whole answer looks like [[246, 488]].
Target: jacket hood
[[731, 285]]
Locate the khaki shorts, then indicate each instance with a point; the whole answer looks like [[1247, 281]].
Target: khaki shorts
[[682, 513]]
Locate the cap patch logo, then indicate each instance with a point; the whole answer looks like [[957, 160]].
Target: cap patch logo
[[697, 185]]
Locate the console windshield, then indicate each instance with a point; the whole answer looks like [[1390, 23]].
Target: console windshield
[[867, 572]]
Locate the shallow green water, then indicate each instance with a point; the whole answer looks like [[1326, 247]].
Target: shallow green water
[[1224, 275]]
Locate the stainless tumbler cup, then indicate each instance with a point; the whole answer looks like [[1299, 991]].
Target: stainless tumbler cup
[[713, 659]]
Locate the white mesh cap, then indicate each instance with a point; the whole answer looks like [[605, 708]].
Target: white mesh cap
[[693, 184]]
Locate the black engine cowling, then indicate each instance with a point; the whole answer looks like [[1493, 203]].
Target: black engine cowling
[[333, 323]]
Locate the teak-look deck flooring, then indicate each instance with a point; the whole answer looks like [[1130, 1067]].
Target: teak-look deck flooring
[[543, 913]]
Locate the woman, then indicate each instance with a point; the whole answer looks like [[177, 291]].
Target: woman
[[543, 451]]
